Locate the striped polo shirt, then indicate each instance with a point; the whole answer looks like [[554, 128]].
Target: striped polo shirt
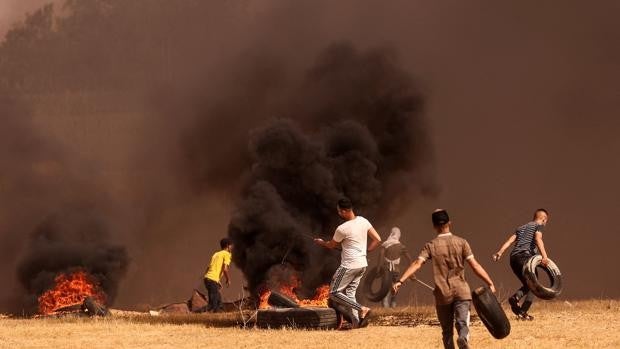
[[525, 238]]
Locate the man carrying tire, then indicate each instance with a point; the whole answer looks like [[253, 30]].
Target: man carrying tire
[[392, 250], [352, 236], [448, 253], [528, 242]]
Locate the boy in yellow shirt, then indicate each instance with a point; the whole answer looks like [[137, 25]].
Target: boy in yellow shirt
[[220, 262]]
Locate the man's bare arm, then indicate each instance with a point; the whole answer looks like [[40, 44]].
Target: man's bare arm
[[226, 274], [506, 244], [331, 244], [479, 270], [541, 247], [413, 267], [375, 239]]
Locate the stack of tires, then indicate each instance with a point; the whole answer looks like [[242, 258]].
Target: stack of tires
[[288, 313]]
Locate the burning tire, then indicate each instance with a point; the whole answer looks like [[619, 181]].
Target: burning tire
[[92, 308], [490, 312], [280, 300], [382, 274], [552, 270], [316, 318]]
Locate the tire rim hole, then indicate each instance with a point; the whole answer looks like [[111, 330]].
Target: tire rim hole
[[544, 277]]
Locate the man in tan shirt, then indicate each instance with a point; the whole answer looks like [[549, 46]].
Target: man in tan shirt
[[448, 253]]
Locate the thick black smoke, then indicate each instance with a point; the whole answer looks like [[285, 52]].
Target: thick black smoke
[[190, 82], [74, 239], [51, 198], [88, 70], [354, 128]]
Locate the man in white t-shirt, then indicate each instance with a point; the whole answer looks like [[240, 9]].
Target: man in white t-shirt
[[352, 236]]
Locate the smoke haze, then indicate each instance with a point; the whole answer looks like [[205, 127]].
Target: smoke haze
[[152, 115], [70, 240], [364, 139]]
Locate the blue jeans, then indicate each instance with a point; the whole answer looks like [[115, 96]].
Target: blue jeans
[[215, 298], [455, 314]]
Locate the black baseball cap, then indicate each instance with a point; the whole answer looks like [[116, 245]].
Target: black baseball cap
[[440, 217]]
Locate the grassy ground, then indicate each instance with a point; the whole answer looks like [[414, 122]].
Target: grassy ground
[[582, 324]]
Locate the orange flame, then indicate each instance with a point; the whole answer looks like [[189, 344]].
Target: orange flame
[[263, 299], [320, 298], [70, 290], [321, 295], [289, 291]]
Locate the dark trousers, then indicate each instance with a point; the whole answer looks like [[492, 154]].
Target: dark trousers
[[517, 262], [455, 314], [215, 298]]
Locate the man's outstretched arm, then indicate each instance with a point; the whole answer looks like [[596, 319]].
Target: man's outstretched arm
[[331, 244], [479, 270], [413, 267], [506, 244]]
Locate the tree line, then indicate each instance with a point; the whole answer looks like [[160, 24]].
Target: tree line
[[110, 44]]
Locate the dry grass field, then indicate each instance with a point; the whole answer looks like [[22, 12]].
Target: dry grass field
[[580, 324]]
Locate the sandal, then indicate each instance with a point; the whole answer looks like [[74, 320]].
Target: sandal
[[364, 320]]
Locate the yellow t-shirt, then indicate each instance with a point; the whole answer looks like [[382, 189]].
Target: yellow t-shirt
[[219, 259]]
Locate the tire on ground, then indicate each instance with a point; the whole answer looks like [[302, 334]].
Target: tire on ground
[[93, 308], [381, 273], [315, 318], [490, 312], [552, 270]]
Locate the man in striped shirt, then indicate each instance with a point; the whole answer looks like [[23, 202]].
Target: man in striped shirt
[[528, 242]]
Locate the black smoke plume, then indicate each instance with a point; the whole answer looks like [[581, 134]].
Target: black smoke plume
[[52, 199], [354, 128], [73, 239]]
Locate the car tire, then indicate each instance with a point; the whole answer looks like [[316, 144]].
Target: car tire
[[310, 317], [552, 270], [381, 273], [280, 300], [490, 312]]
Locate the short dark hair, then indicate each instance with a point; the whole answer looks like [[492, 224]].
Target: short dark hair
[[440, 217], [540, 210], [345, 204], [225, 242]]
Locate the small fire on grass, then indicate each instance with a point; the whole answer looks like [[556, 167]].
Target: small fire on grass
[[70, 290]]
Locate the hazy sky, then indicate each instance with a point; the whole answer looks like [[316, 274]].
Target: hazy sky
[[15, 10], [524, 106]]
